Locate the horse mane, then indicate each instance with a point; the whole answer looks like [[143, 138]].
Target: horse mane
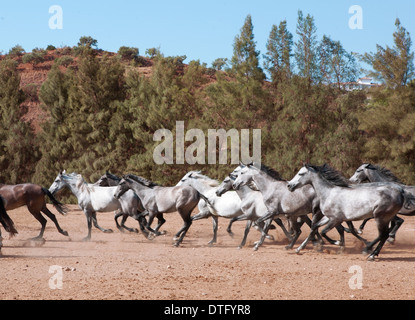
[[274, 174], [142, 180], [331, 175], [112, 176], [386, 173]]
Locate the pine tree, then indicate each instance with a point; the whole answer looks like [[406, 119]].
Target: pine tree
[[306, 48], [98, 87], [56, 152], [388, 122], [336, 64], [394, 66], [278, 56], [18, 149]]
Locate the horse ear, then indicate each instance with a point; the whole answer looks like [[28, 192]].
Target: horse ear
[[63, 172], [370, 166], [190, 175]]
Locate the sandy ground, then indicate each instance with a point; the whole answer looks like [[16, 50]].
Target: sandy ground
[[128, 266]]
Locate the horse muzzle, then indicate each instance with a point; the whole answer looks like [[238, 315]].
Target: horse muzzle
[[220, 192], [236, 186], [292, 186]]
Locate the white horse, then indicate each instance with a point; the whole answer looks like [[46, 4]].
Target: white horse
[[228, 206], [93, 199]]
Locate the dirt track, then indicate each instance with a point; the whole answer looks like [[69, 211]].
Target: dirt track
[[128, 266]]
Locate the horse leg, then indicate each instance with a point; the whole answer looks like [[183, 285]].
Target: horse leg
[[331, 224], [96, 225], [153, 233], [123, 227], [396, 224], [88, 215], [247, 228], [362, 226], [355, 233], [314, 229], [52, 217], [42, 220], [264, 233], [229, 228], [281, 225], [383, 229], [203, 214], [215, 231], [116, 216], [187, 223], [297, 232], [161, 221]]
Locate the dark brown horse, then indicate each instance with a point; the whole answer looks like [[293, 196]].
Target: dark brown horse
[[32, 196]]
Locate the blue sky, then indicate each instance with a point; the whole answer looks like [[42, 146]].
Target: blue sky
[[202, 30]]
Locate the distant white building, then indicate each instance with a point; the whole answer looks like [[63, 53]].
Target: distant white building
[[360, 84]]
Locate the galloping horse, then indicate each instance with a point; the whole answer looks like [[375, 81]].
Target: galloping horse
[[158, 200], [340, 202], [32, 196], [93, 199]]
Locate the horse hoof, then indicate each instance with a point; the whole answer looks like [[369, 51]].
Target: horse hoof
[[65, 233], [360, 231], [298, 251], [391, 240], [269, 237], [108, 231], [86, 239], [371, 258]]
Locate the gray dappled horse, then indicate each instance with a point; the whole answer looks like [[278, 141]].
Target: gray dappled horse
[[340, 202], [373, 173], [158, 200], [253, 207], [277, 198]]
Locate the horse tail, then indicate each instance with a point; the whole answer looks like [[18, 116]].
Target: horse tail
[[5, 220], [62, 209], [209, 204], [409, 203]]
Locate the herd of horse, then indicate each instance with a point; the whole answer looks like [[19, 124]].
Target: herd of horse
[[260, 197]]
